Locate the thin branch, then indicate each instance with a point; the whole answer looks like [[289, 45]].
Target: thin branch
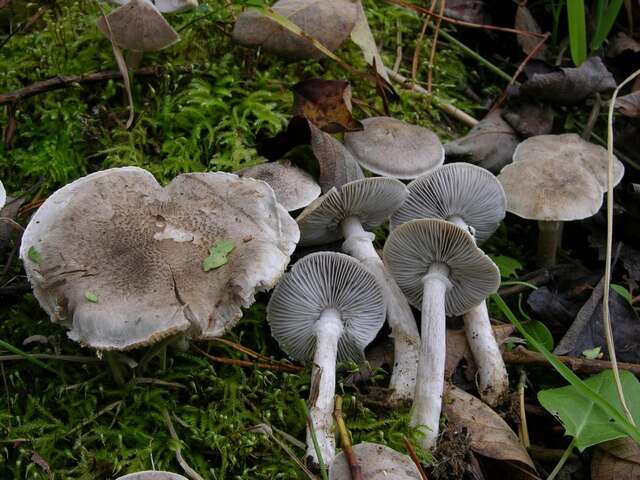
[[434, 44], [414, 457], [248, 363], [416, 51], [46, 356]]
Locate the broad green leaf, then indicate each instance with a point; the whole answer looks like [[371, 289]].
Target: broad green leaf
[[508, 266], [540, 332], [218, 255], [91, 296], [34, 255], [582, 418], [577, 31], [623, 292], [592, 353]]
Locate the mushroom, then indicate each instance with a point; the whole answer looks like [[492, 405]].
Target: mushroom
[[139, 26], [294, 188], [152, 475], [393, 148], [439, 268], [328, 308], [124, 262], [348, 212], [472, 198], [556, 178], [167, 6], [377, 462]]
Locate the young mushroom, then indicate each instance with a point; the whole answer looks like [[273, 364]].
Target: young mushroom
[[439, 268], [377, 462], [152, 475], [294, 188], [556, 178], [392, 148], [124, 262], [328, 308], [349, 212], [472, 198]]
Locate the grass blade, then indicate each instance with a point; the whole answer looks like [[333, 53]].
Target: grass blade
[[577, 31], [27, 356], [605, 18]]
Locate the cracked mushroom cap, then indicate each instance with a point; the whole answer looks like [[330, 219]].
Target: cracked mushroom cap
[[377, 462], [393, 148], [456, 189], [413, 247], [562, 148], [372, 200], [120, 260], [138, 25], [3, 196], [167, 6], [294, 188], [318, 282], [152, 475]]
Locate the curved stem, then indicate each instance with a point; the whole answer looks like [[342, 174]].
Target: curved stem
[[549, 240], [427, 404], [404, 331], [323, 385], [492, 373]]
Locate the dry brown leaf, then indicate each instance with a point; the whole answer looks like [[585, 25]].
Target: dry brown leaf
[[458, 347], [474, 11], [524, 21], [330, 22], [616, 460], [361, 35], [622, 43], [489, 434], [629, 105], [326, 104]]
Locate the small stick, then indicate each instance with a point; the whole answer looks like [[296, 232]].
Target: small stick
[[345, 441], [434, 44], [416, 51], [524, 429], [248, 363], [46, 356], [541, 278], [522, 356], [396, 64], [414, 457]]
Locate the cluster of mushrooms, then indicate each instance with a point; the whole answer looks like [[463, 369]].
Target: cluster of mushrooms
[[123, 262]]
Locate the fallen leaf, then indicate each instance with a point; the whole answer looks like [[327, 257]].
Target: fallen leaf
[[566, 86], [474, 11], [361, 35], [297, 133], [622, 43], [529, 118], [490, 144], [326, 104], [629, 105], [330, 22], [524, 21], [616, 460], [218, 255], [490, 435]]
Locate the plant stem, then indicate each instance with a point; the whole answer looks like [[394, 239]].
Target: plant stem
[[524, 430], [314, 439], [345, 441], [116, 368], [562, 460], [549, 240]]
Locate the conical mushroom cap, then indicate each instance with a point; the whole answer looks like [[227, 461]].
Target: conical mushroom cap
[[119, 259], [456, 189], [551, 190], [152, 475], [372, 200], [139, 26], [561, 148], [167, 6], [393, 148], [294, 188], [377, 462], [3, 196], [317, 282], [413, 247]]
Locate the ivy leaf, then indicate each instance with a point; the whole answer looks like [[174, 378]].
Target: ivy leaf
[[91, 296], [218, 255], [582, 418], [34, 255], [508, 266]]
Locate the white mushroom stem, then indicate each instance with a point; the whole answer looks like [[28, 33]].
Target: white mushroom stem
[[493, 380], [549, 240], [404, 331], [323, 381], [427, 404]]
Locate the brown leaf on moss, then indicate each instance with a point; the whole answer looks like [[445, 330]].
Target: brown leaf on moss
[[524, 21], [616, 460], [326, 104]]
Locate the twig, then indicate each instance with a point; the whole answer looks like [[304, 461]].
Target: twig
[[414, 457], [345, 441], [434, 44], [593, 117], [33, 19], [47, 356], [524, 429], [541, 277], [398, 61], [416, 51], [248, 363], [439, 103], [191, 473], [522, 356]]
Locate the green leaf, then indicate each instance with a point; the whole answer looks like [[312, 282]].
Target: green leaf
[[604, 21], [508, 266], [91, 296], [577, 31], [541, 333], [582, 418], [592, 353], [623, 292], [34, 255], [218, 255]]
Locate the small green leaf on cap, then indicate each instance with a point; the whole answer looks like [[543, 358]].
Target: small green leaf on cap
[[34, 255], [91, 296], [218, 255]]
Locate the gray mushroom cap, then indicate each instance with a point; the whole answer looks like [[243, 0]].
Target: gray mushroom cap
[[317, 282], [393, 148], [413, 247], [3, 195], [152, 475], [138, 25], [167, 6], [456, 189], [377, 462], [294, 188], [119, 259], [372, 200]]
